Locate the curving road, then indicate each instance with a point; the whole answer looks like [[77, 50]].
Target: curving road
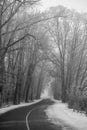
[[37, 120], [30, 117]]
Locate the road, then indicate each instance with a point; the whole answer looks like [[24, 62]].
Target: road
[[30, 117]]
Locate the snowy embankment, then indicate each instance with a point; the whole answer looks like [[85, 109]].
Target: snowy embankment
[[5, 109], [60, 114]]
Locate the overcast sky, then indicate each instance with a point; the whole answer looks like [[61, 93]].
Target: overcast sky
[[78, 5]]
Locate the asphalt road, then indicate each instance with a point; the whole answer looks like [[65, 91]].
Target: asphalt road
[[38, 120], [30, 117]]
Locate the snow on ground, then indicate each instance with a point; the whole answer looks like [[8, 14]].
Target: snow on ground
[[3, 110], [61, 112]]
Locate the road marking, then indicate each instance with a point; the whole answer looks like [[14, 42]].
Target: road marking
[[27, 124]]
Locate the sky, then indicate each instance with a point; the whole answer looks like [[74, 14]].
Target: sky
[[78, 5]]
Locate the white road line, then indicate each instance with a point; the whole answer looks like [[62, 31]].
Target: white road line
[[27, 124]]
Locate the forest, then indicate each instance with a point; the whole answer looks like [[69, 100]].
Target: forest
[[38, 48]]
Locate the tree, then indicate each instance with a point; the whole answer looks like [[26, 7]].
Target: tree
[[11, 31]]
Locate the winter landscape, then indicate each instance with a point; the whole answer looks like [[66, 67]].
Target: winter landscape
[[43, 65]]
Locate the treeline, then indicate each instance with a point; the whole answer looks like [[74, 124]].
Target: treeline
[[19, 50], [67, 51], [37, 48]]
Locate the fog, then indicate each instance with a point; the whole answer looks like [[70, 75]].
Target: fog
[[78, 5]]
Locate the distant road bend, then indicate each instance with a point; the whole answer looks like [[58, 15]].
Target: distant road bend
[[31, 117]]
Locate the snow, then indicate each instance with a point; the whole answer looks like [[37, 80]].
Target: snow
[[59, 113], [3, 110]]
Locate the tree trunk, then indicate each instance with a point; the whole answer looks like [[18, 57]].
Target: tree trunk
[[27, 89], [64, 91], [1, 64]]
